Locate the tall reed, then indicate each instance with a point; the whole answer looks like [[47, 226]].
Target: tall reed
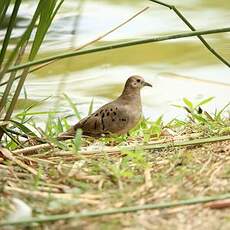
[[39, 25]]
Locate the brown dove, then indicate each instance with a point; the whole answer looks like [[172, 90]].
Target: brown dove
[[116, 117]]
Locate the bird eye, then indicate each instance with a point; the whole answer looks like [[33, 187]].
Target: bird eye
[[138, 80]]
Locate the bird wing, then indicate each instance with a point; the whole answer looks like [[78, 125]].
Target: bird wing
[[110, 118]]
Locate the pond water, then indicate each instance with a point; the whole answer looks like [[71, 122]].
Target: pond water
[[177, 68]]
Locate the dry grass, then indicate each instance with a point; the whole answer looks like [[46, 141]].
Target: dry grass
[[56, 182]]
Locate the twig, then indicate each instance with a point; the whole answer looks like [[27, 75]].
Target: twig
[[51, 218], [84, 198], [151, 146], [179, 14], [218, 204], [34, 148], [148, 178], [120, 45], [88, 43], [96, 39], [6, 153]]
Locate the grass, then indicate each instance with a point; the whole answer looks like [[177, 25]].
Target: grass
[[39, 24], [24, 130], [158, 165], [63, 180]]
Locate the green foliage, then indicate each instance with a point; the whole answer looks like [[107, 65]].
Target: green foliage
[[91, 107], [25, 125], [202, 121], [3, 9], [77, 140], [44, 14], [73, 106], [128, 168], [154, 130]]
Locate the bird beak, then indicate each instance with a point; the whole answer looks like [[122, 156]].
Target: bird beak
[[147, 84]]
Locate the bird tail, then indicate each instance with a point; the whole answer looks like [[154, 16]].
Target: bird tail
[[69, 134]]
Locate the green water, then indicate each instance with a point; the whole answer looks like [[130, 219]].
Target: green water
[[176, 68]]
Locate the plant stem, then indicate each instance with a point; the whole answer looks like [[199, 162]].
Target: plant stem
[[5, 96], [179, 14], [120, 45], [186, 143], [98, 38], [9, 30], [3, 9], [32, 149], [51, 218], [14, 99], [88, 43]]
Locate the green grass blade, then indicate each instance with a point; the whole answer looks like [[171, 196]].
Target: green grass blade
[[91, 107], [12, 138], [9, 30], [24, 129], [159, 120], [39, 113], [44, 23], [188, 103], [6, 92], [46, 17], [16, 94], [205, 101], [48, 128], [59, 126], [199, 118], [73, 106], [218, 116], [77, 140], [119, 45], [23, 40], [4, 4]]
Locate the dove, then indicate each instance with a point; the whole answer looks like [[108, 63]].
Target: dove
[[116, 117]]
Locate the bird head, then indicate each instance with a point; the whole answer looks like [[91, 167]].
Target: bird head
[[136, 82]]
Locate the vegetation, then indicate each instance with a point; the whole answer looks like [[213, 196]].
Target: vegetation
[[159, 165], [149, 165]]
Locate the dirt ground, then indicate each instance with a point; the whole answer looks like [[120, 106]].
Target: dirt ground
[[69, 182]]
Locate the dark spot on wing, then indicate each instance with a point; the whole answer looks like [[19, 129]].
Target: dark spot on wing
[[102, 122], [114, 113], [111, 110], [96, 114], [103, 114], [101, 111], [123, 119], [107, 114], [113, 119]]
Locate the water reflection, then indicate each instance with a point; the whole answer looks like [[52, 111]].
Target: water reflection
[[177, 69]]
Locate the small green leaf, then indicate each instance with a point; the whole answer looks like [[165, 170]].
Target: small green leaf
[[188, 103], [200, 118], [77, 140], [73, 106], [59, 126], [24, 129], [91, 107], [177, 106], [205, 101], [159, 120], [218, 116]]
